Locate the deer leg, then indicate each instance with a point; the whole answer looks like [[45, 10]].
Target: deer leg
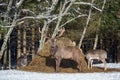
[[79, 65], [105, 64], [58, 64], [18, 67], [91, 62]]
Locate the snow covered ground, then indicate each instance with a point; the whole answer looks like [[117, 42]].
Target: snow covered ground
[[24, 75], [109, 65]]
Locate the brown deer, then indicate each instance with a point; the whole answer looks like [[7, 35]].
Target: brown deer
[[68, 52], [59, 53], [98, 54], [22, 61]]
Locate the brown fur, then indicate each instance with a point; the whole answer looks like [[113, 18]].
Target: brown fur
[[68, 52], [22, 61]]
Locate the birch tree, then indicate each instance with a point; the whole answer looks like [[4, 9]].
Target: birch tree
[[50, 12], [99, 21], [88, 20], [17, 5], [46, 23], [64, 9], [19, 43], [33, 40]]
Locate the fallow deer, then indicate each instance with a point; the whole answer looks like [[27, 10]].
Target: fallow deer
[[22, 61], [98, 54]]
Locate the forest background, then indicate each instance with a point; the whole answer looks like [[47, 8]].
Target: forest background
[[90, 23]]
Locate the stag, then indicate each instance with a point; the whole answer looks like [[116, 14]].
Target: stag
[[100, 55], [59, 53], [22, 61], [68, 52]]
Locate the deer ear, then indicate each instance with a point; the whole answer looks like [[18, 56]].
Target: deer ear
[[74, 43]]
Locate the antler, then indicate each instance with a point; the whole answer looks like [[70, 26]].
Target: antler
[[43, 33], [62, 30], [40, 31]]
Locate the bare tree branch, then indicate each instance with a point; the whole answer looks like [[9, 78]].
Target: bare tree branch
[[87, 22], [11, 28], [97, 30], [72, 20], [90, 4], [64, 10], [45, 27], [19, 3]]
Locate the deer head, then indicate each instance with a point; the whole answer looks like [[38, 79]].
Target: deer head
[[53, 41]]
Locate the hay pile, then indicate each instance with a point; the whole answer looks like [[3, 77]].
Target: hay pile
[[44, 63]]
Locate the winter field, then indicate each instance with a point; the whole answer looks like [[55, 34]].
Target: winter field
[[24, 75]]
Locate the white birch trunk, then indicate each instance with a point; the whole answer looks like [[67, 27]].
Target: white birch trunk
[[24, 39], [97, 35], [85, 28], [33, 41], [45, 27], [19, 43], [64, 10], [10, 30]]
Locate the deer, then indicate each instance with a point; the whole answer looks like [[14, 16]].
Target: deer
[[22, 61], [99, 54], [67, 52]]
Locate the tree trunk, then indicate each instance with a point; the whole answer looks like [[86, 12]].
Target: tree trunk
[[13, 23], [24, 40], [5, 59], [118, 48], [44, 32], [45, 27], [96, 41], [33, 41], [19, 42], [87, 22], [97, 30], [9, 54]]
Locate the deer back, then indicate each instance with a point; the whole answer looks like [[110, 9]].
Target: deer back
[[68, 52], [96, 54]]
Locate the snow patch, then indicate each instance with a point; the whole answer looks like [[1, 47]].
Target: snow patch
[[109, 65], [24, 75]]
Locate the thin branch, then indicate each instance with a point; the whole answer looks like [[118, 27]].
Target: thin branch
[[72, 20], [90, 4], [87, 22], [19, 3], [97, 8], [64, 10], [83, 3]]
